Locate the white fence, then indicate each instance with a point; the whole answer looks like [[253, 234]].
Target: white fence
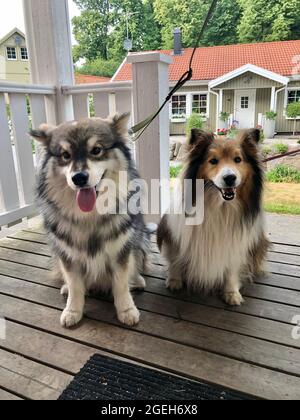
[[100, 100], [20, 106]]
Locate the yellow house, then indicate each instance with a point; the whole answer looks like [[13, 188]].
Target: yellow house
[[14, 64]]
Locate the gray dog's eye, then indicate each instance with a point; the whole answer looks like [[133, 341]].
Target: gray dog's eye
[[96, 151], [66, 156]]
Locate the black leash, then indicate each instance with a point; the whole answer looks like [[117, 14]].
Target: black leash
[[141, 127]]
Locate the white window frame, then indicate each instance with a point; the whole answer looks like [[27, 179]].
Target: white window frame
[[180, 119], [24, 59], [287, 90], [16, 50], [189, 105]]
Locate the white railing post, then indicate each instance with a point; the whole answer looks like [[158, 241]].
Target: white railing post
[[48, 36], [150, 88]]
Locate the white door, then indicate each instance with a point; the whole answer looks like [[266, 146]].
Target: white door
[[245, 108]]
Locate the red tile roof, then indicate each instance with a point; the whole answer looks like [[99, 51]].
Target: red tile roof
[[83, 79], [213, 62]]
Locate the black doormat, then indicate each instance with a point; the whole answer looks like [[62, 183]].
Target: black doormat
[[104, 378]]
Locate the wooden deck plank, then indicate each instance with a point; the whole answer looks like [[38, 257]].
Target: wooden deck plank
[[30, 379], [21, 251], [176, 307], [255, 339], [252, 306], [180, 359], [221, 342], [7, 396], [42, 238]]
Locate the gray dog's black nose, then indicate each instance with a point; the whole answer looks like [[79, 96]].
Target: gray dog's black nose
[[230, 180], [80, 179]]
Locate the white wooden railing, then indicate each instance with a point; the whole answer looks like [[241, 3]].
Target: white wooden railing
[[100, 100], [20, 107]]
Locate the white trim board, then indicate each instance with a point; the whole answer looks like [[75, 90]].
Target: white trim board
[[249, 68]]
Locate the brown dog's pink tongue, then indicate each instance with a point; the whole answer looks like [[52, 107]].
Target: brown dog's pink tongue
[[86, 199]]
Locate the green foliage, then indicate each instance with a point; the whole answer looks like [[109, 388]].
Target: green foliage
[[194, 121], [267, 150], [175, 171], [271, 115], [224, 116], [100, 67], [272, 20], [190, 14], [101, 28], [293, 110], [282, 208], [298, 141], [91, 30], [283, 173], [281, 148]]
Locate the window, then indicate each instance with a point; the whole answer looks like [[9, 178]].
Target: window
[[244, 102], [199, 105], [293, 96], [24, 53], [179, 105], [11, 53]]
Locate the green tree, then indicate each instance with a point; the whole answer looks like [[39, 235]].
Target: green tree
[[222, 29], [269, 20], [91, 29], [184, 14], [101, 28]]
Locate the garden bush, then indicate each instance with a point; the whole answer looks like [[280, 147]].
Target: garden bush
[[283, 173]]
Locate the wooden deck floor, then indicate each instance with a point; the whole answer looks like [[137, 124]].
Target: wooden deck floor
[[250, 349]]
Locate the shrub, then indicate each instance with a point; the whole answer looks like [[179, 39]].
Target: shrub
[[283, 173], [266, 151], [175, 171], [224, 116], [293, 111], [194, 121], [281, 148], [298, 141], [99, 67], [271, 115]]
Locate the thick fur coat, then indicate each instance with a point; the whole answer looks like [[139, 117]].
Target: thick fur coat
[[230, 245], [92, 250]]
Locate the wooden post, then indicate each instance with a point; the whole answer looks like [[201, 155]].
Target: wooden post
[[48, 36], [150, 88]]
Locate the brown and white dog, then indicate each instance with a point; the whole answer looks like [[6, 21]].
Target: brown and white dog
[[230, 245]]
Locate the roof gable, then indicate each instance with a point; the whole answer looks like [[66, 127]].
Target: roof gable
[[11, 33], [249, 68]]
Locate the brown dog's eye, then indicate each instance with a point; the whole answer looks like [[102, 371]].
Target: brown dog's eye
[[66, 156], [96, 151], [214, 161], [238, 160]]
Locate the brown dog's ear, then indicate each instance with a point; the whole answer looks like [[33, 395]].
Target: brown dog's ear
[[119, 123], [42, 135], [200, 136], [252, 135]]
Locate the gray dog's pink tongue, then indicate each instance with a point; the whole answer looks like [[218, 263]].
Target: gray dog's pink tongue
[[86, 199]]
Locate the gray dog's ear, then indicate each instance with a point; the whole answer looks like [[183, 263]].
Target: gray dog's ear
[[119, 123], [43, 134]]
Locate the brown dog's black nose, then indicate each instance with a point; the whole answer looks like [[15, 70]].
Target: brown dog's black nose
[[230, 180], [80, 179]]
